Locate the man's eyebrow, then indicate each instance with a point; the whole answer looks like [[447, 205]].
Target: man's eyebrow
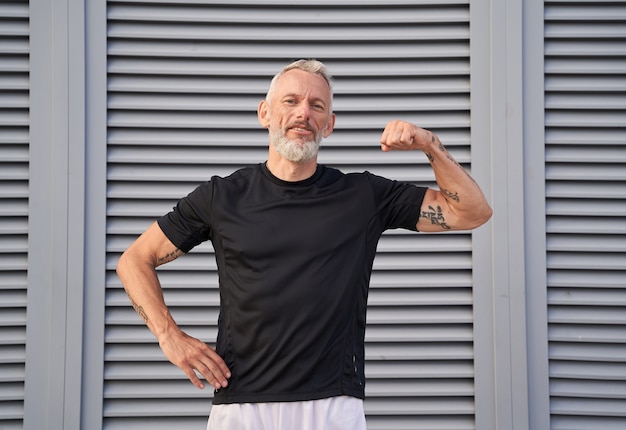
[[294, 95]]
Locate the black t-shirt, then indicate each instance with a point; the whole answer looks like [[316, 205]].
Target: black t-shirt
[[294, 262]]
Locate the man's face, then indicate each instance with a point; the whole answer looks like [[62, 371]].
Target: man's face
[[298, 115]]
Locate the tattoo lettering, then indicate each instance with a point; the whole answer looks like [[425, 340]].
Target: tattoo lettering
[[449, 157], [454, 196], [140, 311], [436, 217], [430, 157], [170, 257]]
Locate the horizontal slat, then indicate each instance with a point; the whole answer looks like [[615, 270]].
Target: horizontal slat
[[577, 279], [586, 101], [594, 295], [13, 281], [586, 261], [588, 136], [563, 422], [590, 190], [13, 316], [588, 352], [432, 406], [588, 172], [14, 372], [588, 371], [238, 140], [580, 243], [588, 389], [596, 153], [425, 422], [237, 85], [341, 70], [439, 351], [199, 315], [316, 3], [11, 299], [400, 31], [181, 157], [608, 333], [14, 220], [200, 295], [14, 135], [579, 207], [11, 354], [584, 11], [138, 333], [589, 407], [14, 118], [11, 208], [586, 47], [129, 389], [162, 423], [344, 13], [133, 204], [453, 370], [220, 120], [13, 262], [593, 28], [422, 278], [587, 314], [13, 153], [581, 119], [582, 224], [426, 260], [285, 49], [175, 103]]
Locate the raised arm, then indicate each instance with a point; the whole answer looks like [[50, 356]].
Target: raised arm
[[137, 271], [459, 204]]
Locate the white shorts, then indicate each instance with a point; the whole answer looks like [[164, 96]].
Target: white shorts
[[334, 413]]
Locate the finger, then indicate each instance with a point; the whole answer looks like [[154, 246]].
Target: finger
[[214, 379], [193, 377], [407, 135], [213, 368], [213, 374]]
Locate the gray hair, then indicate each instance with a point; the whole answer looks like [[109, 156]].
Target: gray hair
[[312, 66]]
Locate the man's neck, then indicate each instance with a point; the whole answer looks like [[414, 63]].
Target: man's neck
[[289, 171]]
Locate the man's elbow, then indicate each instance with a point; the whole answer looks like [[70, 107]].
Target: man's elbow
[[481, 216]]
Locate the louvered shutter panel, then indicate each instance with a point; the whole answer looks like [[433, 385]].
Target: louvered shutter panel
[[585, 57], [184, 83], [14, 120]]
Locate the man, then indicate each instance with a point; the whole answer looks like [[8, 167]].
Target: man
[[294, 243]]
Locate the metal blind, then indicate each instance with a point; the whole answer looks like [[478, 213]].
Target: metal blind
[[185, 79], [14, 120], [585, 58]]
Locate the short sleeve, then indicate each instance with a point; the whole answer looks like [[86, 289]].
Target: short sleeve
[[398, 203], [188, 224]]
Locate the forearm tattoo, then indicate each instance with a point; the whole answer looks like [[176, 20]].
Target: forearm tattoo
[[140, 311], [451, 195], [435, 216]]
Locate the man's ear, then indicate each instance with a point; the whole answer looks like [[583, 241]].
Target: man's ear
[[263, 113], [330, 126]]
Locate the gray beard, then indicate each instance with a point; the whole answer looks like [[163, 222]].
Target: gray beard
[[293, 151]]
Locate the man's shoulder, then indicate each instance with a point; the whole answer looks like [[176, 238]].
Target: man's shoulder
[[239, 175]]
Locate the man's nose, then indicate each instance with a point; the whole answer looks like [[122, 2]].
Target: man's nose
[[304, 110]]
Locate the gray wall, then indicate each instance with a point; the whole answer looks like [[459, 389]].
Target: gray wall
[[110, 112]]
